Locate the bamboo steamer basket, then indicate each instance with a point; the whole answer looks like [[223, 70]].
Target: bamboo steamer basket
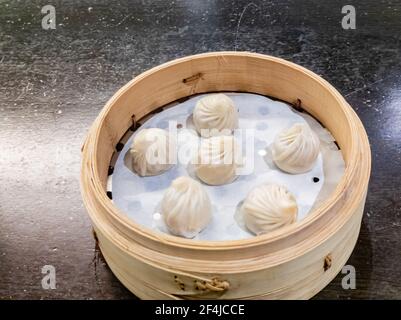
[[294, 262]]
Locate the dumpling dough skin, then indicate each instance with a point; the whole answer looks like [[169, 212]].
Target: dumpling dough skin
[[269, 207], [215, 111], [296, 149], [217, 160], [150, 152], [186, 207]]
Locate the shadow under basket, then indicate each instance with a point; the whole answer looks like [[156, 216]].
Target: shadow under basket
[[294, 262]]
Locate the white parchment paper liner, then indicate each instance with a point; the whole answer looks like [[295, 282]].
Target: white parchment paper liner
[[139, 197]]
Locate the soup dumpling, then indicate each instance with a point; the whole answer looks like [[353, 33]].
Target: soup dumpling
[[215, 112], [186, 207], [150, 152], [296, 149], [269, 207], [217, 160]]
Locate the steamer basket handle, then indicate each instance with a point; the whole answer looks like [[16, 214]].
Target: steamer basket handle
[[215, 285], [202, 286]]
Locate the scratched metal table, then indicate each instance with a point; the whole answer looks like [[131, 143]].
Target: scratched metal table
[[54, 83]]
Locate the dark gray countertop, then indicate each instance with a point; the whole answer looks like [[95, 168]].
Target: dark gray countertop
[[53, 83]]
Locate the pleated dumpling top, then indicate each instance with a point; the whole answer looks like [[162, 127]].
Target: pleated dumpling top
[[296, 149], [186, 207], [269, 207], [215, 112]]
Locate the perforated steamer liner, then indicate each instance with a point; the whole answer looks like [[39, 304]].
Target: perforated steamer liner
[[260, 120]]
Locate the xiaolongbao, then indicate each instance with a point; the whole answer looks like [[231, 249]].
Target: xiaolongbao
[[150, 152], [215, 111], [217, 160], [186, 207], [295, 150], [269, 207]]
